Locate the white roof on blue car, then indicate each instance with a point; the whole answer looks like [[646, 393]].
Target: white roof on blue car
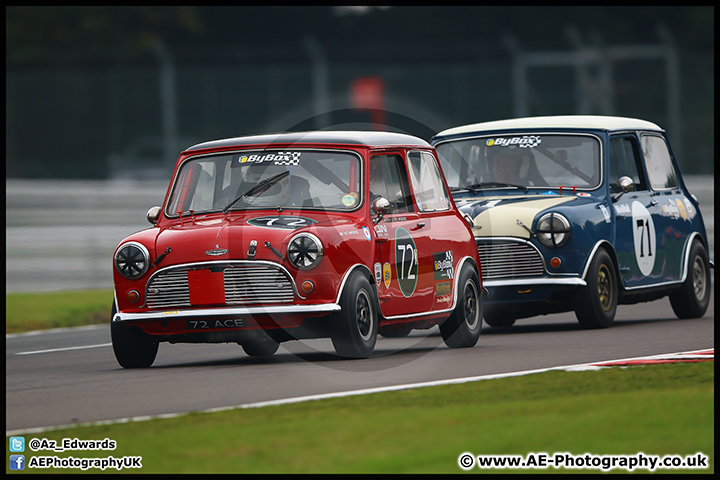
[[597, 122]]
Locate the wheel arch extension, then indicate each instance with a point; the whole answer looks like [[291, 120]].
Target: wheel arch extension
[[364, 270], [685, 266], [607, 246], [468, 260]]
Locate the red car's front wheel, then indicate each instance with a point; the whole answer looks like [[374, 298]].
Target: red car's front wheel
[[133, 348], [354, 329]]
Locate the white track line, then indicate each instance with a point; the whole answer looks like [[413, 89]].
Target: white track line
[[367, 391], [50, 350], [54, 330]]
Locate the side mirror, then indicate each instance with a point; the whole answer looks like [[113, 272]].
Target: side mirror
[[153, 214], [380, 207], [626, 185]]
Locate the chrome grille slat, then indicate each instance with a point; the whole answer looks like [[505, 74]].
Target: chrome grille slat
[[169, 289], [248, 285], [244, 285], [508, 259]]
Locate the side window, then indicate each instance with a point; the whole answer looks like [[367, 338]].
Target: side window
[[624, 163], [661, 171], [388, 179], [430, 193]]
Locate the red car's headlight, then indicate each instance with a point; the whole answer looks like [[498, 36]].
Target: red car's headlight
[[132, 260], [305, 251]]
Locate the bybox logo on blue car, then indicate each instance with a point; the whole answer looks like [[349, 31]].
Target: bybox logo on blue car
[[17, 462]]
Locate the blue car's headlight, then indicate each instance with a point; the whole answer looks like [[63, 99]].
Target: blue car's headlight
[[553, 230]]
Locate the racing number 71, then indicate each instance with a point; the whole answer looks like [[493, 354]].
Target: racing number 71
[[643, 225]]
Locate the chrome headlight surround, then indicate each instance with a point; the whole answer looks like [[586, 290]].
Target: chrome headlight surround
[[553, 230], [304, 251], [132, 260]]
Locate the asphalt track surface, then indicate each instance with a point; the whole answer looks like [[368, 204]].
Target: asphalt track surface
[[70, 376]]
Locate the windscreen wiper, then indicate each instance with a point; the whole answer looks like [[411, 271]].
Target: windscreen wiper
[[479, 186], [258, 188]]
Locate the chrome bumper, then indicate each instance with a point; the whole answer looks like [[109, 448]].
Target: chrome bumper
[[228, 311]]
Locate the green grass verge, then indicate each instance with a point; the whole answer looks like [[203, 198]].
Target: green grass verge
[[38, 311], [656, 410]]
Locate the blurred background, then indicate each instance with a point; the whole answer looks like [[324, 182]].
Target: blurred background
[[100, 100]]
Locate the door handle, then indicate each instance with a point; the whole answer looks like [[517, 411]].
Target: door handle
[[419, 226]]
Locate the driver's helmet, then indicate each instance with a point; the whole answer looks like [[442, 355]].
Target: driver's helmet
[[523, 160], [275, 195]]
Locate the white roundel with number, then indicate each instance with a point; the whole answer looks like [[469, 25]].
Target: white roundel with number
[[644, 237]]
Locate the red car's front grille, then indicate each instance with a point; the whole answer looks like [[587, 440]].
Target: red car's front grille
[[229, 284]]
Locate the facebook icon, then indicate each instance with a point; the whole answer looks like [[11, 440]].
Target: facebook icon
[[17, 462]]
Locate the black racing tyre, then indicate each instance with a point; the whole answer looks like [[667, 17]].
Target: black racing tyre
[[133, 348], [396, 333], [355, 327], [462, 328], [263, 346], [498, 316], [596, 303], [693, 297]]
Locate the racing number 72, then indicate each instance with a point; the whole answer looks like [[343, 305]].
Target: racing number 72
[[411, 254], [643, 225]]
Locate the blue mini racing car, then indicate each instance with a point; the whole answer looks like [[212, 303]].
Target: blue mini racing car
[[577, 213]]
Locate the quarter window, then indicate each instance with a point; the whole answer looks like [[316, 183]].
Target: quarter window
[[426, 181], [661, 171]]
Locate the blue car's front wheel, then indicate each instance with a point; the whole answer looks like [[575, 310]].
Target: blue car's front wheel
[[596, 303]]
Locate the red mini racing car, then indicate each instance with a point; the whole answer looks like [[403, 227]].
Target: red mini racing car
[[270, 238]]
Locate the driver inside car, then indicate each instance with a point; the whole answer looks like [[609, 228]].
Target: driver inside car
[[505, 168], [514, 167], [274, 196]]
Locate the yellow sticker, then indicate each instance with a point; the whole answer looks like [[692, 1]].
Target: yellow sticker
[[387, 275], [443, 288], [349, 200], [681, 207]]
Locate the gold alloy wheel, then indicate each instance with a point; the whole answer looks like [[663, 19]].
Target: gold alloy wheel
[[698, 272], [605, 287]]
